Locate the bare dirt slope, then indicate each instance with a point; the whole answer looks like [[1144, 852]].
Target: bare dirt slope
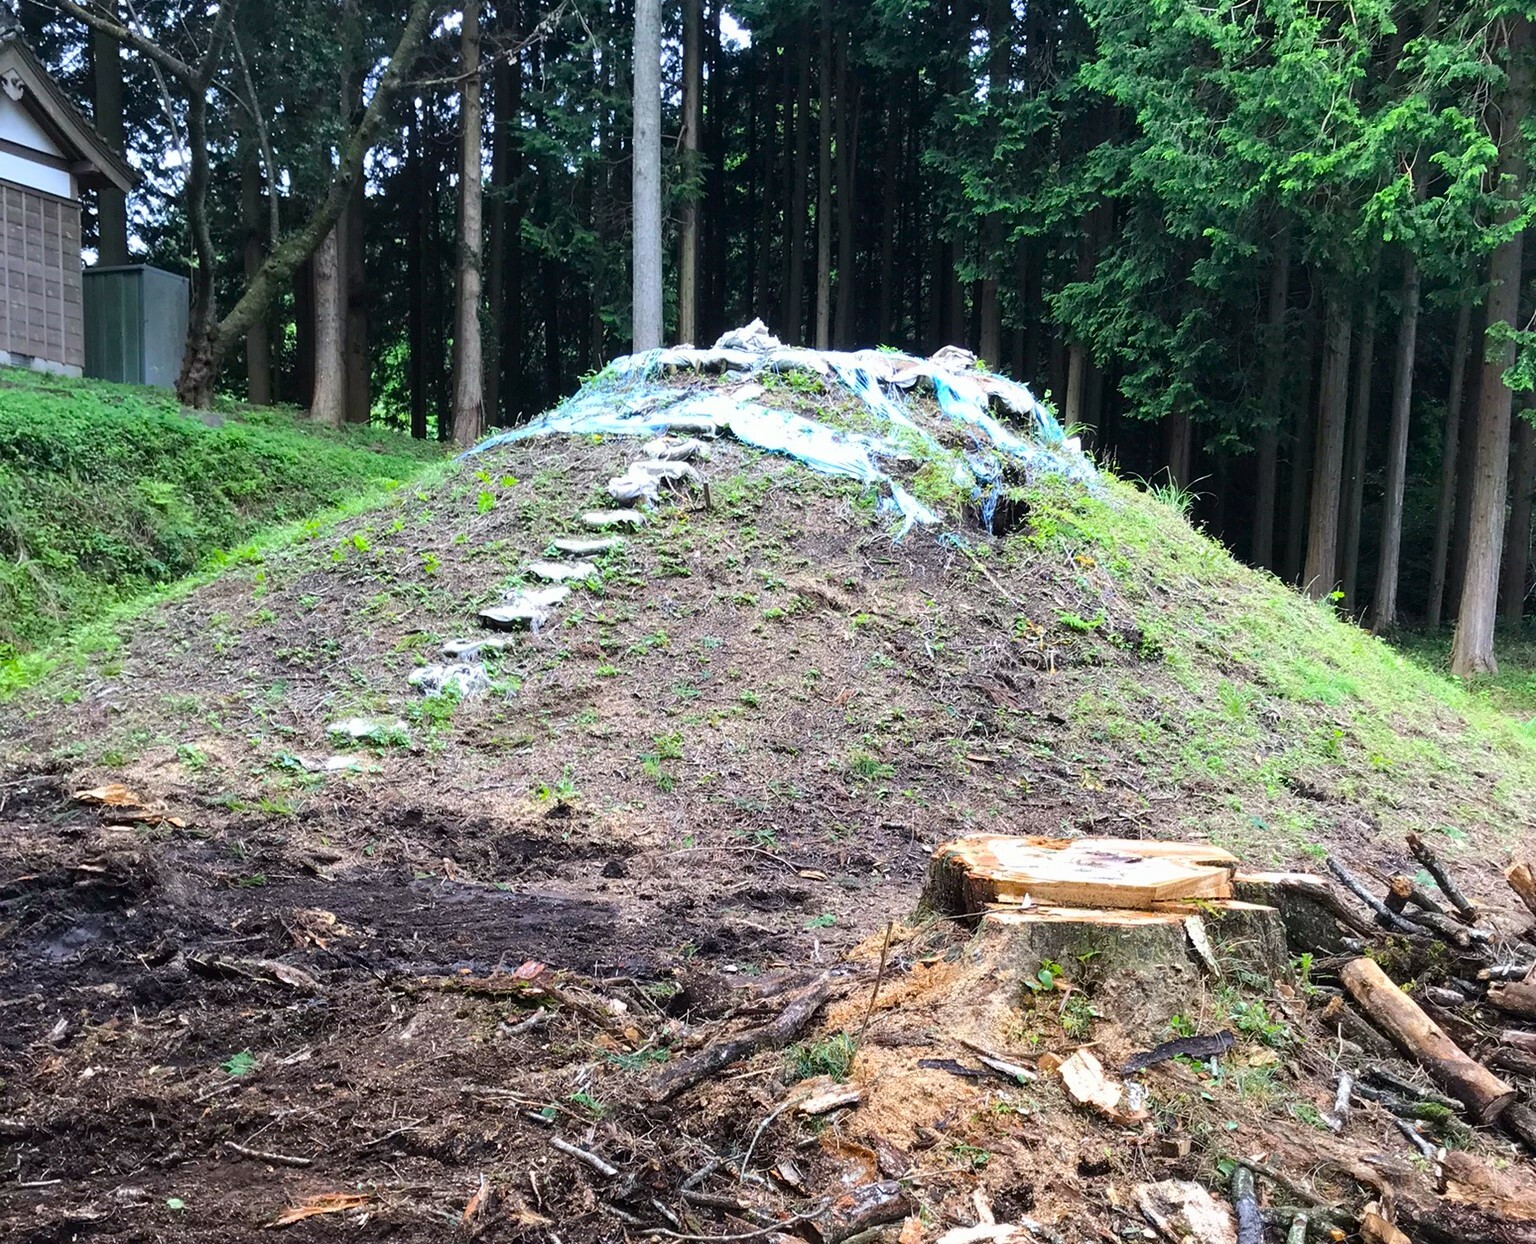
[[723, 767]]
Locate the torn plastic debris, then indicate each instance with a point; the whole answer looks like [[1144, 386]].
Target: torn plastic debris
[[464, 678], [628, 399], [643, 481]]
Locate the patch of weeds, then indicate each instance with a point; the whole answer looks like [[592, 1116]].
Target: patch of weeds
[[970, 1155], [867, 767], [640, 1060], [193, 759], [588, 1103], [824, 921], [832, 1056]]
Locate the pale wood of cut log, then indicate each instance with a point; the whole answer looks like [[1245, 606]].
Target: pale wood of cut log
[[1523, 882], [1484, 1094]]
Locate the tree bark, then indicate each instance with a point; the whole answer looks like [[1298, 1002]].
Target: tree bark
[[988, 310], [688, 211], [1301, 436], [1179, 448], [355, 294], [258, 341], [111, 203], [1262, 552], [415, 273], [1483, 1093], [1517, 537], [823, 337], [506, 99], [1472, 648], [328, 402], [468, 365], [797, 171], [1328, 458], [1384, 607], [1359, 433], [889, 166], [647, 314], [849, 109], [1445, 510]]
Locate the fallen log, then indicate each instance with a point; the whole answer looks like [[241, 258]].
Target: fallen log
[[1484, 1094], [788, 1025], [1426, 856], [1350, 1026], [1308, 906], [1514, 998], [1250, 1225], [1519, 1121], [1523, 882]]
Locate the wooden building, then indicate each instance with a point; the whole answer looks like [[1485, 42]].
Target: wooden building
[[48, 154]]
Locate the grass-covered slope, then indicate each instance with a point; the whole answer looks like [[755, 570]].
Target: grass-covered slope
[[777, 666], [108, 490]]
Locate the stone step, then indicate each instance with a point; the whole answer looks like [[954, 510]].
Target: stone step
[[470, 649], [524, 610], [467, 678], [587, 546], [613, 518], [562, 572]]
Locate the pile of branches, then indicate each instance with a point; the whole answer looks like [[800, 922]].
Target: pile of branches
[[1463, 1004]]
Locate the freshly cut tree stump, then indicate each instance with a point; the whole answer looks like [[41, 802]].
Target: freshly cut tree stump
[[1308, 905], [970, 874], [1153, 944]]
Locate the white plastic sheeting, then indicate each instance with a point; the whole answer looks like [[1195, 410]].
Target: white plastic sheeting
[[629, 398]]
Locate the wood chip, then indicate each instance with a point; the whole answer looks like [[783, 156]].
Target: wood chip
[[830, 1100], [1083, 1077]]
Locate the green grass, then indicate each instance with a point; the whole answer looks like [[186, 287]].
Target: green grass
[[1257, 682], [109, 491]]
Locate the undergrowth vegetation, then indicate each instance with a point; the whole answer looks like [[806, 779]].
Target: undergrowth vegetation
[[109, 490]]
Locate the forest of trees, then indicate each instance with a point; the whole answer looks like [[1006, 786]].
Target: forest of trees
[[1269, 252]]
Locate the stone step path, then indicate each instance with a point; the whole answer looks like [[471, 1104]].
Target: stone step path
[[666, 463], [526, 609]]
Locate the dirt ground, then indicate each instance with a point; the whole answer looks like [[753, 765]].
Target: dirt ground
[[717, 777]]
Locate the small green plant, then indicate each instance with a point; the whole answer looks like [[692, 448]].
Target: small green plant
[[430, 563], [1183, 1026], [485, 502], [561, 792], [241, 1064], [970, 1155], [832, 1056], [192, 758], [588, 1103], [824, 921], [640, 1060], [1044, 980]]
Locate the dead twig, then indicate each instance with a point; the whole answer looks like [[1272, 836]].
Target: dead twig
[[1432, 865], [582, 1155], [791, 1021], [885, 947], [264, 1155]]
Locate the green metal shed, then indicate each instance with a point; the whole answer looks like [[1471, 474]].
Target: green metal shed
[[135, 324]]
